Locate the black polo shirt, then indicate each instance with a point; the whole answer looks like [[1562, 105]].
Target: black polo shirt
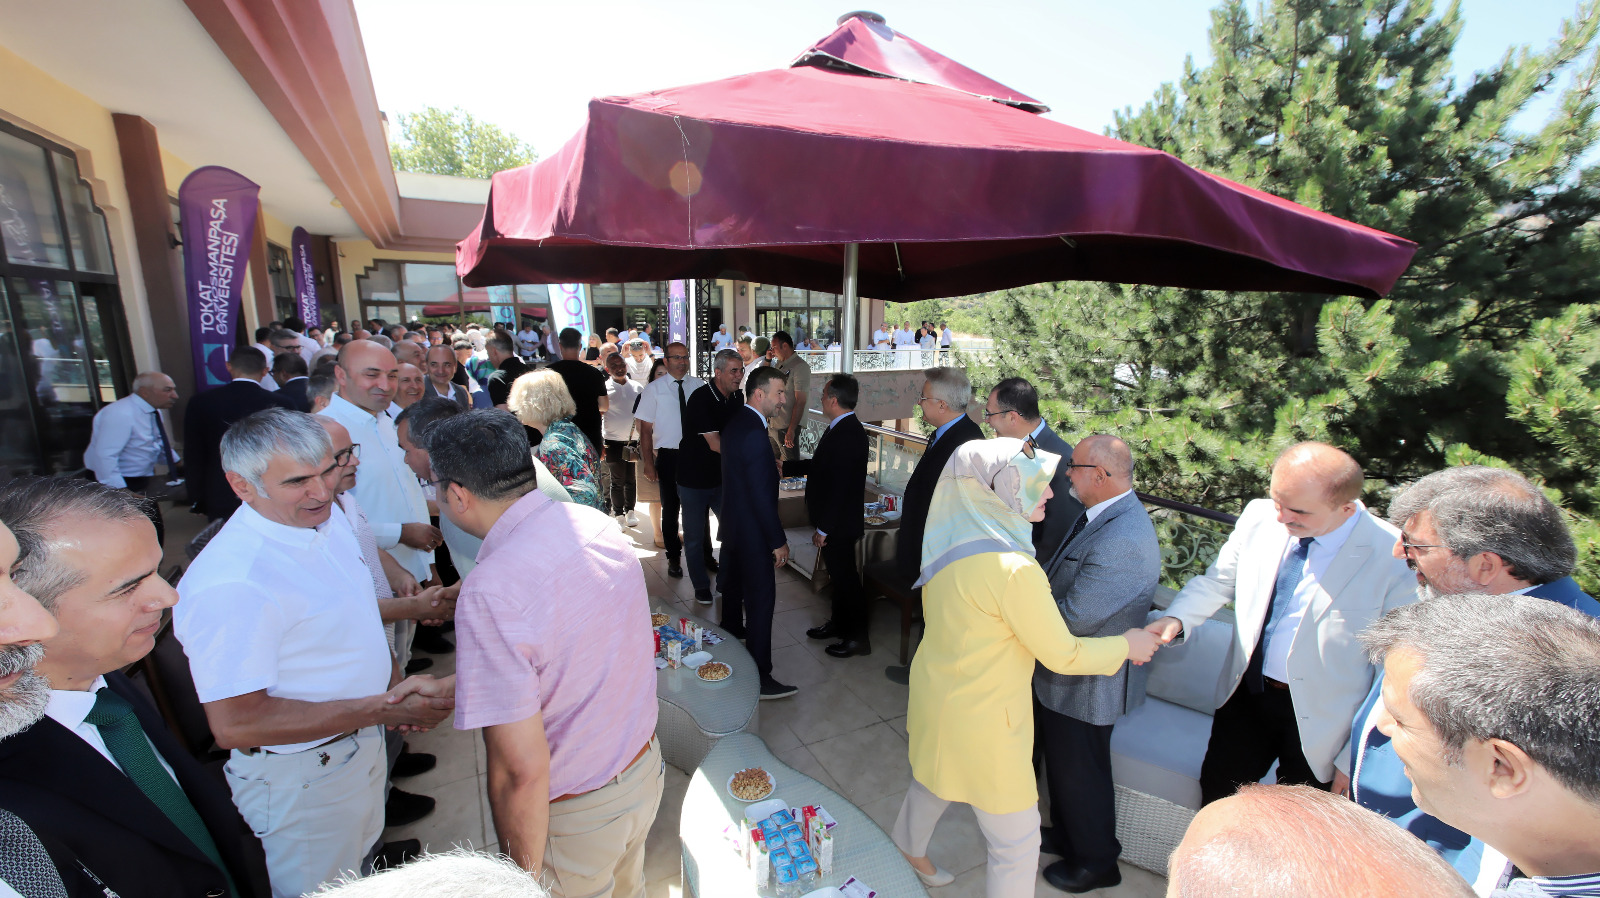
[[500, 381], [587, 386], [707, 411]]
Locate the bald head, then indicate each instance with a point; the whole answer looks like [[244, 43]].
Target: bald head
[[1111, 473], [1331, 468], [408, 353], [367, 375], [1295, 840], [1315, 488]]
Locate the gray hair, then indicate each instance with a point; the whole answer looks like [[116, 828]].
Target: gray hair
[[249, 446], [381, 340], [456, 874], [726, 357], [321, 386], [485, 452], [1480, 509], [147, 380], [422, 415], [950, 385], [1300, 841], [540, 398], [31, 506], [1512, 667]]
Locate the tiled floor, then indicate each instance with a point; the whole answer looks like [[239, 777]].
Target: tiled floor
[[846, 728]]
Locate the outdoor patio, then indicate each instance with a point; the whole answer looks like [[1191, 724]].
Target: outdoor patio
[[846, 728]]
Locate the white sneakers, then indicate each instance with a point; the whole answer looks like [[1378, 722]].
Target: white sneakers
[[632, 518]]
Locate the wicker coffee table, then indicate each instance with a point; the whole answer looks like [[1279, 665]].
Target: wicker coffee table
[[693, 714], [711, 868]]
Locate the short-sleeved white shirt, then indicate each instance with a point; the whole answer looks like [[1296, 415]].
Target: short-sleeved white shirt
[[287, 609], [617, 420], [658, 405]]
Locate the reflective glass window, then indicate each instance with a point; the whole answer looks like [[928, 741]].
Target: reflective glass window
[[86, 225], [606, 294], [28, 220]]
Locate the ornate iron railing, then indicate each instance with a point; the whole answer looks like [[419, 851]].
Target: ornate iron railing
[[826, 361], [1190, 536]]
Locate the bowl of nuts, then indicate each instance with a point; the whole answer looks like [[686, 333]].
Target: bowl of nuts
[[658, 619], [712, 671], [751, 784]]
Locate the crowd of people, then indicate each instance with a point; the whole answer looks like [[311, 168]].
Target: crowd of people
[[1424, 690]]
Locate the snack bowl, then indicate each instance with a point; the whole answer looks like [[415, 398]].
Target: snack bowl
[[658, 618], [713, 671], [772, 785]]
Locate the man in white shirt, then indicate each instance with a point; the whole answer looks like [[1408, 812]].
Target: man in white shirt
[[263, 343], [660, 415], [101, 776], [528, 342], [129, 441], [280, 622], [368, 377], [639, 361], [618, 430], [722, 339], [307, 346]]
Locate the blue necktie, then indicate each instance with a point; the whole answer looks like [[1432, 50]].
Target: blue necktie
[[166, 447], [1290, 573]]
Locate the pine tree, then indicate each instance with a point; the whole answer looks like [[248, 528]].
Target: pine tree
[[1348, 106]]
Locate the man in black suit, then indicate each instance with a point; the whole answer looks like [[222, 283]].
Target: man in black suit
[[291, 373], [586, 384], [1013, 411], [946, 393], [753, 542], [208, 416], [836, 481], [118, 803]]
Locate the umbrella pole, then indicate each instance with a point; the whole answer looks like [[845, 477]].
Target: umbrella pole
[[847, 339]]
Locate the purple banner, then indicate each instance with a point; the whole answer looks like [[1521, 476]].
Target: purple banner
[[305, 278], [677, 312], [217, 207]]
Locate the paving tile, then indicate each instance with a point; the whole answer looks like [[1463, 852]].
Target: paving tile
[[457, 819], [797, 621], [795, 665], [775, 733], [868, 763], [805, 762], [899, 725], [867, 682], [820, 711], [456, 760]]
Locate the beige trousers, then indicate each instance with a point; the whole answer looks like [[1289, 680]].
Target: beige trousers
[[1013, 840], [596, 844]]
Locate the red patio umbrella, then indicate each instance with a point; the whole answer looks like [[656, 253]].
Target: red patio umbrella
[[775, 176]]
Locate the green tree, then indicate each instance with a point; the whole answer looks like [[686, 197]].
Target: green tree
[[1348, 106], [453, 142]]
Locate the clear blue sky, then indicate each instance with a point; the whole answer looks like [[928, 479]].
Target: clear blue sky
[[531, 66]]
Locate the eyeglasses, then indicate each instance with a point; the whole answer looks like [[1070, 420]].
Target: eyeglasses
[[1409, 546], [344, 456], [676, 358], [922, 399], [988, 414], [1072, 465]]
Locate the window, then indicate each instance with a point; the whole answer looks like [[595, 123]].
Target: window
[[283, 301], [64, 350]]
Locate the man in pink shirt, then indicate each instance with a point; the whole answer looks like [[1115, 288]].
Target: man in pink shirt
[[555, 664]]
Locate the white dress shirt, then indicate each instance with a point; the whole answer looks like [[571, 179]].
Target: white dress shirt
[[124, 442], [386, 487], [880, 338], [616, 422], [289, 610], [658, 406], [905, 338], [308, 348], [639, 369], [1319, 555], [266, 381], [1097, 509], [69, 707], [945, 337], [369, 554]]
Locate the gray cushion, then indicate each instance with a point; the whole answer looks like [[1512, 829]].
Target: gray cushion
[[1187, 673], [1157, 749]]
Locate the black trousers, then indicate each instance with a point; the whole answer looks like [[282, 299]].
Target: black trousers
[[1083, 804], [1248, 733], [849, 599], [749, 585], [623, 486], [667, 471]]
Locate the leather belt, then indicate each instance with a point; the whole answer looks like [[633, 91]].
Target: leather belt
[[339, 738], [642, 749], [1275, 684]]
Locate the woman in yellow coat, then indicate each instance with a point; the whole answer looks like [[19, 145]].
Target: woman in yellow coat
[[989, 616]]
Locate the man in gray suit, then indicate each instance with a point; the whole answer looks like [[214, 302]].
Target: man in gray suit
[[1103, 578], [1013, 411]]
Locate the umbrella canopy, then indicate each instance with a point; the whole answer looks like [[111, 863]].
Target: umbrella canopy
[[769, 176]]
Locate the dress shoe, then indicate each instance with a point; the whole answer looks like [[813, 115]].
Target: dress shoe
[[411, 763], [674, 569], [432, 641], [826, 631], [1069, 877], [848, 647], [703, 596], [711, 565], [939, 877], [405, 807], [393, 854], [897, 674], [773, 689], [418, 665]]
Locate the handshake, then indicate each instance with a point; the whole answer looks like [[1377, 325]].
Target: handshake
[[1142, 643], [418, 703]]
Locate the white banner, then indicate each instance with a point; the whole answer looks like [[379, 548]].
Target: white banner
[[569, 307]]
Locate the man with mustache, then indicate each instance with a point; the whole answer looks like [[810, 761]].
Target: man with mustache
[[117, 801]]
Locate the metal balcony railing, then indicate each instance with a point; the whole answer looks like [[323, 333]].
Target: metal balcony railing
[[826, 361], [1190, 536]]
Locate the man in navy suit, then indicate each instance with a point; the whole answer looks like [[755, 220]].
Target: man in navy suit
[[753, 542], [116, 800], [291, 374], [208, 416], [946, 394], [1013, 411], [835, 485], [1464, 530]]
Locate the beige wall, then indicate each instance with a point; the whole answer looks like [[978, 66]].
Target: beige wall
[[354, 257]]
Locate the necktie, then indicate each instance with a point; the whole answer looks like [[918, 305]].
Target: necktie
[[683, 407], [24, 863], [166, 447], [125, 739], [1290, 573], [1077, 528]]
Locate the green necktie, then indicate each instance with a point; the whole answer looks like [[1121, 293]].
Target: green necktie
[[125, 739]]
